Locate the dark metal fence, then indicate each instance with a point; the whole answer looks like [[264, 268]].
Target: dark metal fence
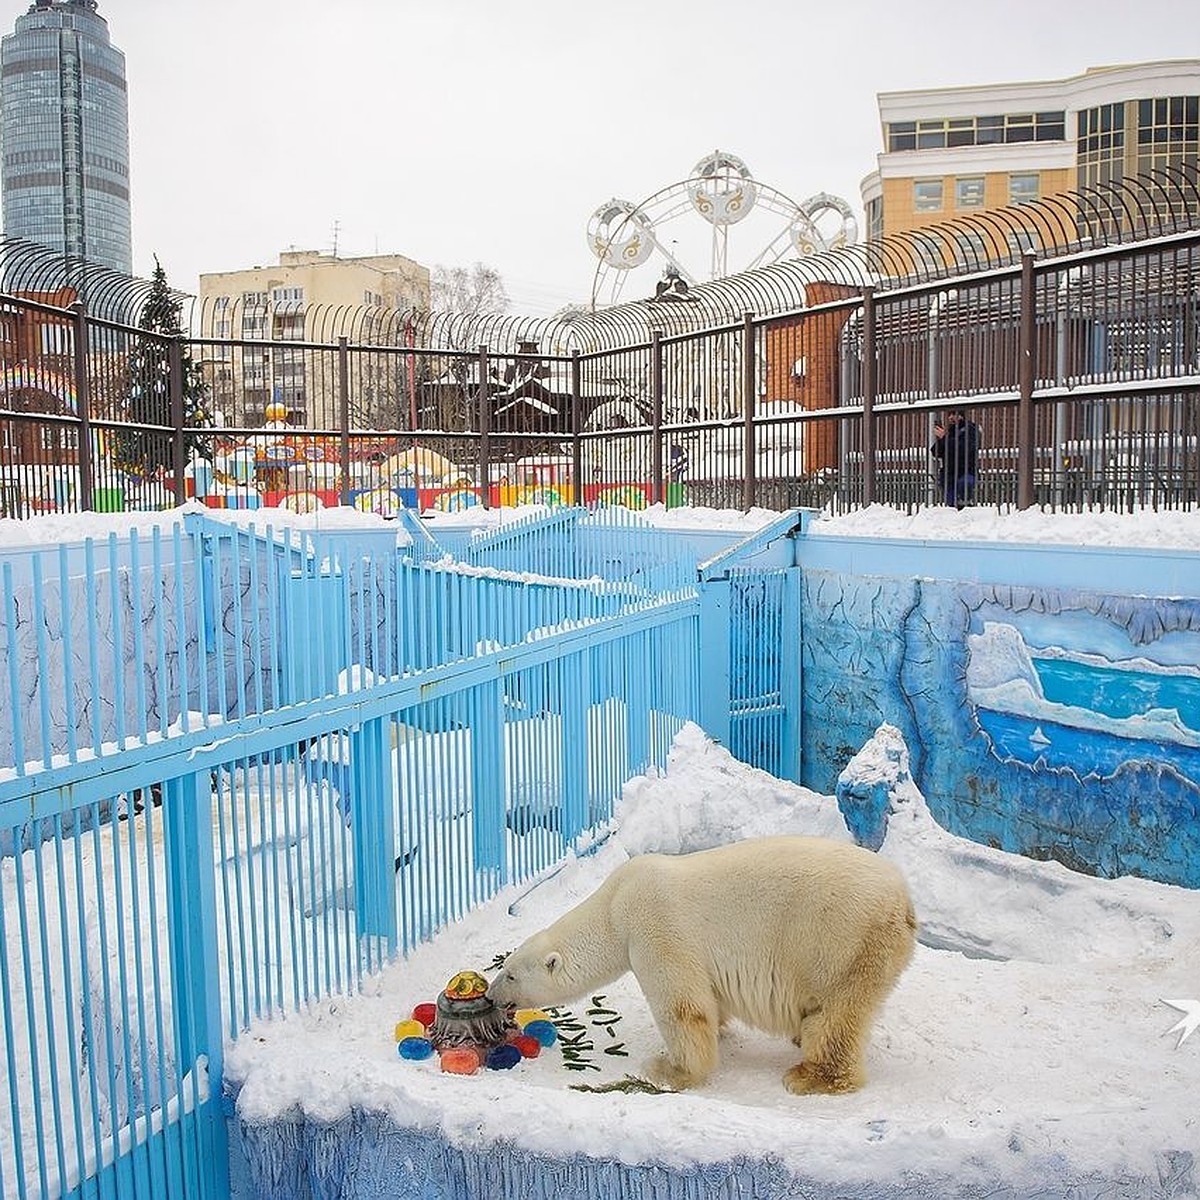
[[1082, 373]]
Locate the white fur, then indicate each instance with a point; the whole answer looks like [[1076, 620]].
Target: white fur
[[797, 936]]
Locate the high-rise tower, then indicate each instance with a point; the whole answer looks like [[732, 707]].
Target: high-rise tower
[[64, 134]]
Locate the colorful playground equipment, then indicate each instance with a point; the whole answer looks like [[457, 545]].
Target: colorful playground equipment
[[281, 466]]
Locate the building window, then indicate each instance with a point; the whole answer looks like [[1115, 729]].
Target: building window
[[1168, 132], [968, 192], [1168, 119], [254, 299], [902, 135], [289, 326], [1050, 126], [927, 195], [937, 133], [1100, 145], [989, 131], [961, 132], [875, 219], [1101, 129], [1024, 189], [931, 135], [1019, 128]]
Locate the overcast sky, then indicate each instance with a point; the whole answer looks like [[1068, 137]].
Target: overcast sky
[[456, 131]]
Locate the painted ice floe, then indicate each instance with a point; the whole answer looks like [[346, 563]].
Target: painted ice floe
[[1002, 676]]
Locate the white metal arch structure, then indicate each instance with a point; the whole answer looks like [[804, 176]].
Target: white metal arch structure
[[720, 211]]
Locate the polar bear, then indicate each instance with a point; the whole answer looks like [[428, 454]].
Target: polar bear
[[799, 936]]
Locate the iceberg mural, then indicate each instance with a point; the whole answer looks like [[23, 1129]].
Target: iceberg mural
[[1035, 703], [1057, 723]]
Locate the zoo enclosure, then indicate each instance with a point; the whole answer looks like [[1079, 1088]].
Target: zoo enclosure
[[1082, 372], [242, 769]]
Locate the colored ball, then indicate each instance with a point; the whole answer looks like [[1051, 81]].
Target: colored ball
[[529, 1047], [415, 1048], [503, 1058], [425, 1013], [524, 1015], [544, 1031], [460, 1060], [407, 1029]]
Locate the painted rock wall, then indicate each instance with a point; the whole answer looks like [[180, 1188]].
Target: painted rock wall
[[1056, 723]]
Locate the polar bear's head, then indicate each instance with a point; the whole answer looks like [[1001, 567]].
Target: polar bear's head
[[533, 974]]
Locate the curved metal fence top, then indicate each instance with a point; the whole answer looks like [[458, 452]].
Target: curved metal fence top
[[35, 271], [1165, 201]]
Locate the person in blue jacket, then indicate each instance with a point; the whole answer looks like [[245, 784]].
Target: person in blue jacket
[[956, 448]]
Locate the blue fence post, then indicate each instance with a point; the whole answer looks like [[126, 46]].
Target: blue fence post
[[487, 775], [196, 976], [575, 749], [791, 683], [210, 591], [373, 813], [637, 707], [715, 690]]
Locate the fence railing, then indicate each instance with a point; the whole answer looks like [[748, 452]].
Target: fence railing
[[1081, 371], [239, 772]]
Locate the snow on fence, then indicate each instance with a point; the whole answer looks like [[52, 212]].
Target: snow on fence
[[241, 769]]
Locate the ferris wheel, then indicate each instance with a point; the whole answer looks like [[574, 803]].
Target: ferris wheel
[[716, 222]]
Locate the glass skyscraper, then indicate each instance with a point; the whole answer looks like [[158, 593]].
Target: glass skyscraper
[[64, 134]]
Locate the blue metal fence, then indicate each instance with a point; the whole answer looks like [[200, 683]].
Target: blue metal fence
[[201, 720]]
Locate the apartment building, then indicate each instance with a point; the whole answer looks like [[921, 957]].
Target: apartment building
[[956, 151], [296, 300]]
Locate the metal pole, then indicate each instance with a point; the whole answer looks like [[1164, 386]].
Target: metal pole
[[656, 417], [344, 410], [869, 385], [485, 429], [1061, 363], [178, 441], [411, 364], [1026, 364], [749, 382], [83, 411], [577, 426]]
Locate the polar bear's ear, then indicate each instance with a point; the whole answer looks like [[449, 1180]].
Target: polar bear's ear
[[552, 962]]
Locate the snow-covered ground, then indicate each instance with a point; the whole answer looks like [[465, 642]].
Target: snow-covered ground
[[1149, 528], [1027, 1044]]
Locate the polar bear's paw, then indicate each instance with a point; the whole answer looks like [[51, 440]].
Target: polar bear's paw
[[813, 1078], [664, 1073]]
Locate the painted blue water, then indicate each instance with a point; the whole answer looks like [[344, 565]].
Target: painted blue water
[[1119, 693], [1114, 693], [1084, 751]]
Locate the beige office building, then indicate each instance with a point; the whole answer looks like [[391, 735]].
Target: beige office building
[[952, 152], [307, 297]]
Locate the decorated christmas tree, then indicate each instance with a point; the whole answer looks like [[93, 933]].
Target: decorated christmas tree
[[147, 451]]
